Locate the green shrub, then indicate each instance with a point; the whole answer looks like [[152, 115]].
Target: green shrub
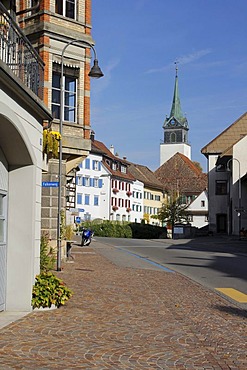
[[117, 229], [114, 229], [47, 255], [49, 290]]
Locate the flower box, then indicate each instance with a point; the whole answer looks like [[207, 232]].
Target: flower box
[[128, 193], [114, 208], [128, 209], [115, 190]]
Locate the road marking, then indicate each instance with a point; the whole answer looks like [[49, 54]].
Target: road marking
[[234, 294], [147, 260]]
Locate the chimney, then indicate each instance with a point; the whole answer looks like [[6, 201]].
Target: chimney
[[112, 149], [92, 135]]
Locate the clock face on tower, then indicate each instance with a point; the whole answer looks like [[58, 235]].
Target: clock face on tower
[[172, 122]]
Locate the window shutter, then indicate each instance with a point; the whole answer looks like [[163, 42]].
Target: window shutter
[[100, 183], [87, 163], [99, 164], [83, 181], [91, 181]]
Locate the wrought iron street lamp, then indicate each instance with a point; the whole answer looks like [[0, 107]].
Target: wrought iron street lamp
[[95, 72], [239, 191]]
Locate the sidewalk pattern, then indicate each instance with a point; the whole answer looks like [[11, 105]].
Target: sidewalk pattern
[[126, 318]]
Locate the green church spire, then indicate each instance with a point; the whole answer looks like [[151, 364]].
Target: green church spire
[[176, 115]]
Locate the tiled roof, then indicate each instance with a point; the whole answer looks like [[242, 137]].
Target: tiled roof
[[227, 138], [179, 173], [145, 175], [98, 147]]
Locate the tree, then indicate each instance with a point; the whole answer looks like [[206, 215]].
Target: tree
[[173, 212], [198, 165]]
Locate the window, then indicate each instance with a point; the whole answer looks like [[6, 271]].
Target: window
[[123, 169], [96, 182], [87, 199], [202, 203], [70, 86], [56, 95], [79, 198], [114, 166], [96, 200], [96, 165], [86, 181], [157, 197], [173, 137], [66, 8], [87, 164], [70, 99], [79, 180], [221, 187]]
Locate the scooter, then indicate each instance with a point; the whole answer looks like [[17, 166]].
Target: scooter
[[86, 237]]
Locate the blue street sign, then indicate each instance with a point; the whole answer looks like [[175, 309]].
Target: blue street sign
[[78, 219], [50, 184], [81, 209]]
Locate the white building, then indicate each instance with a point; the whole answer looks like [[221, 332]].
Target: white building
[[227, 183], [21, 127], [198, 211], [93, 189], [105, 189]]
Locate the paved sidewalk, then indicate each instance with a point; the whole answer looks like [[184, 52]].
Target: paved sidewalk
[[135, 317]]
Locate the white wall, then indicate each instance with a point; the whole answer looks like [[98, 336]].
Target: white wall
[[24, 201], [239, 169], [137, 201], [168, 150], [102, 209], [199, 205]]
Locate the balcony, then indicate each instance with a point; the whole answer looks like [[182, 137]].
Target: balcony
[[19, 55]]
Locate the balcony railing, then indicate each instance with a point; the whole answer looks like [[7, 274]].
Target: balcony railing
[[18, 54]]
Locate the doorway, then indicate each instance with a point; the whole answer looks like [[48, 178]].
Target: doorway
[[221, 221]]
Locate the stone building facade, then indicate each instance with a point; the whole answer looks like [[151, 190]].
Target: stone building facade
[[50, 27]]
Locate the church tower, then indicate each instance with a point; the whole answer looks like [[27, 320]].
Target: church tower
[[175, 130]]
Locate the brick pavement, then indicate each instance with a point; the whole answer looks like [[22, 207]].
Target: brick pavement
[[128, 318]]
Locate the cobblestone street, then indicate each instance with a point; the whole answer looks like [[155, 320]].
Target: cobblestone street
[[128, 318]]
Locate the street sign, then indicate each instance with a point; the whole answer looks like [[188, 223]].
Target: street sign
[[77, 220], [81, 209], [50, 184]]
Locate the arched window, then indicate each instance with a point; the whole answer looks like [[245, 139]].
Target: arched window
[[173, 137]]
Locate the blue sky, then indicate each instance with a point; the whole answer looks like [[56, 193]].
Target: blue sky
[[137, 43]]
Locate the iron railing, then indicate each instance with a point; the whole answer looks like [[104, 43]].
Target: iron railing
[[18, 54]]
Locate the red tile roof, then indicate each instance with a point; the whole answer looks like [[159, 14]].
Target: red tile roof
[[99, 148], [180, 174]]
